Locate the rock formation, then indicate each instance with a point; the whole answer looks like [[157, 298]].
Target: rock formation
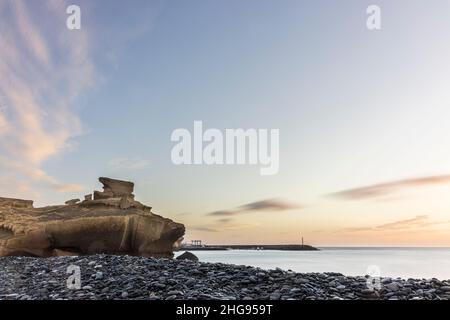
[[114, 189], [16, 203], [112, 223]]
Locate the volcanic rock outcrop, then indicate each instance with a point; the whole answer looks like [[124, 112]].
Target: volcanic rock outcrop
[[112, 223]]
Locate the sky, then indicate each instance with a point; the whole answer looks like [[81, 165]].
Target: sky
[[363, 115]]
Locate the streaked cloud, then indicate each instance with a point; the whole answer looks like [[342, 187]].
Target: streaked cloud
[[223, 226], [128, 163], [26, 29], [43, 69], [269, 205], [203, 229], [408, 223], [387, 188], [417, 222], [223, 213], [182, 214], [258, 206], [10, 186]]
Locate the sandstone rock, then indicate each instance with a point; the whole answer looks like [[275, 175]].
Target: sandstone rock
[[72, 202], [126, 202], [187, 256], [16, 203], [99, 195], [114, 225], [88, 197], [114, 189]]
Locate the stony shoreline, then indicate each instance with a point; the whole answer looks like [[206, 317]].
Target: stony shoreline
[[128, 277]]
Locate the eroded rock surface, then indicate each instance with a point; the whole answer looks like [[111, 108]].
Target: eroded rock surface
[[112, 223], [114, 189], [15, 203]]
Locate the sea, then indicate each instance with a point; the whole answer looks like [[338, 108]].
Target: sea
[[418, 263]]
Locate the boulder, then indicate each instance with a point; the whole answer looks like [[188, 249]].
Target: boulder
[[187, 256], [114, 225]]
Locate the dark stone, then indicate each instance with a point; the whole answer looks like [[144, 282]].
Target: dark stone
[[187, 256]]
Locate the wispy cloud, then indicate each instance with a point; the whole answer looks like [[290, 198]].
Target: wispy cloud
[[223, 225], [387, 188], [21, 189], [43, 68], [34, 174], [135, 163], [269, 205], [203, 229], [182, 214], [272, 205], [417, 222], [223, 213]]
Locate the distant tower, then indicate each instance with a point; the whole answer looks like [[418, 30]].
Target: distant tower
[[302, 241]]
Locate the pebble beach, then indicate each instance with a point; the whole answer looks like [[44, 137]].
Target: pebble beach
[[105, 277]]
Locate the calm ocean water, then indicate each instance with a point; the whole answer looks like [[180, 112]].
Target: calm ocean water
[[391, 262]]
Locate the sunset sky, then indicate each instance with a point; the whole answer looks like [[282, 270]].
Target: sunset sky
[[364, 116]]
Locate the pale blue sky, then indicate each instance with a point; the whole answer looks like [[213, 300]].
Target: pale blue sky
[[354, 108]]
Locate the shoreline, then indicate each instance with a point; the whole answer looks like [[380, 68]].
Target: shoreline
[[105, 277], [279, 247]]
